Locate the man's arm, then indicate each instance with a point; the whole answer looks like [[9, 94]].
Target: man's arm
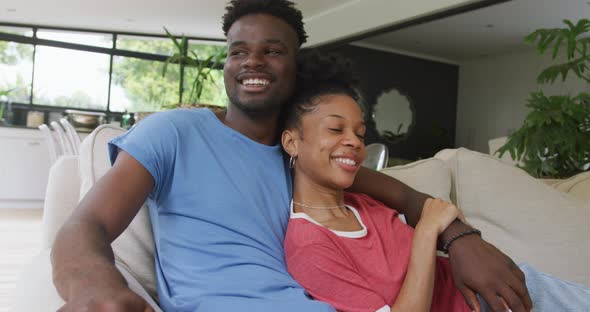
[[83, 262], [477, 266], [391, 192]]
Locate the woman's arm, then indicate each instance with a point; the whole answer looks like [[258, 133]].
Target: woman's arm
[[418, 286]]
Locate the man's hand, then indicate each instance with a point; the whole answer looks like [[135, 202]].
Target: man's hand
[[109, 300], [479, 267]]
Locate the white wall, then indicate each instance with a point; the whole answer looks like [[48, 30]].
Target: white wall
[[493, 92], [356, 17]]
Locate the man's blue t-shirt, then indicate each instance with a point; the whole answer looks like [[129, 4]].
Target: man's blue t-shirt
[[219, 211]]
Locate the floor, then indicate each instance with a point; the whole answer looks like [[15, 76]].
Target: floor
[[20, 241]]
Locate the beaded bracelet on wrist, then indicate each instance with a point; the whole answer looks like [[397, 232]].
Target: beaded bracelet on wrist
[[447, 245]]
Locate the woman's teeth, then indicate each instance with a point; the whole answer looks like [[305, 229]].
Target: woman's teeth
[[346, 161]]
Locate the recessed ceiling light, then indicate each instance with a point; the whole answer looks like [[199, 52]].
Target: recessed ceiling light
[[130, 20], [11, 10], [489, 26]]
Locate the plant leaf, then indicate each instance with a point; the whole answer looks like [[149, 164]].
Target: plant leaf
[[550, 74]]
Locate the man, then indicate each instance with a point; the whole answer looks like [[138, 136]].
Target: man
[[218, 191]]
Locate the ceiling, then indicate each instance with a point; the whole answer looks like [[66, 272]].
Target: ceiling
[[492, 30], [325, 20], [197, 18]]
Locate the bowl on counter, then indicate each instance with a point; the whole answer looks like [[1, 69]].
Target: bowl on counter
[[85, 121]]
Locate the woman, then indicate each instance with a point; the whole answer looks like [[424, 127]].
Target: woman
[[349, 249]]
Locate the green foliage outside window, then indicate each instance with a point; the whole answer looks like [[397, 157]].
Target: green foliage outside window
[[144, 86], [213, 89], [202, 82], [3, 97], [14, 54], [554, 140], [136, 84]]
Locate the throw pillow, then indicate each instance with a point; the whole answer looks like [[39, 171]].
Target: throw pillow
[[430, 176]]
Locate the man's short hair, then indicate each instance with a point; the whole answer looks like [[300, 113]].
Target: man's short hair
[[282, 9]]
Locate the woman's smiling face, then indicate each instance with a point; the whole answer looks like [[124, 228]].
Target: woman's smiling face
[[330, 146]]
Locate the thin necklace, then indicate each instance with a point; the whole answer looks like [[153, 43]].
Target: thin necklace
[[318, 207]]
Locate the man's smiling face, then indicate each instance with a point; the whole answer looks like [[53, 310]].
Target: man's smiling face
[[260, 70]]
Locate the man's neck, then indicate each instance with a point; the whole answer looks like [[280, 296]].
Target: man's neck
[[262, 128]]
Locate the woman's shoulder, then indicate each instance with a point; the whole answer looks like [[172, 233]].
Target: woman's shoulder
[[304, 239], [303, 232]]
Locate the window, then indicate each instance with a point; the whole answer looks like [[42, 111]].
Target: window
[[161, 46], [138, 85], [71, 78], [213, 91], [90, 39], [16, 70], [203, 50], [44, 68], [21, 31]]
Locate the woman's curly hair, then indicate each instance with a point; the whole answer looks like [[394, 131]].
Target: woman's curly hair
[[319, 75], [282, 9]]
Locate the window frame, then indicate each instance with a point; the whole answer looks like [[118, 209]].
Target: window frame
[[112, 52]]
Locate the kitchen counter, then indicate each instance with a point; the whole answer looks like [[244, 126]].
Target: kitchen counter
[[35, 128], [17, 126], [24, 167]]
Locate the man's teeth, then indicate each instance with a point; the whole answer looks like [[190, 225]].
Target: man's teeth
[[255, 82], [346, 161]]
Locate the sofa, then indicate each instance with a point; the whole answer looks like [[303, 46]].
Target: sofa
[[543, 223]]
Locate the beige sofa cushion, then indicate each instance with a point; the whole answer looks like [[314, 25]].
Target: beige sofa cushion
[[134, 248], [527, 219], [577, 186], [430, 176], [61, 196]]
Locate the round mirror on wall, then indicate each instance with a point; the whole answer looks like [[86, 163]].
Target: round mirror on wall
[[393, 115]]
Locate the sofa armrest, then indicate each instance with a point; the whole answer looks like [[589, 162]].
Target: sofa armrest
[[35, 290], [61, 197]]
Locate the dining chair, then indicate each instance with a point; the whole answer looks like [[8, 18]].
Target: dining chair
[[377, 156], [64, 142], [72, 135], [52, 145]]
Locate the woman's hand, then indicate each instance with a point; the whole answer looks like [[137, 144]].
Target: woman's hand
[[417, 289], [438, 214]]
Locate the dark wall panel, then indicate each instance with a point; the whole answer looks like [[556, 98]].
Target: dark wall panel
[[431, 87]]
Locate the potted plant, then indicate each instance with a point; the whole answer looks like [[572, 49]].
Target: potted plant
[[203, 67], [554, 140], [3, 98]]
